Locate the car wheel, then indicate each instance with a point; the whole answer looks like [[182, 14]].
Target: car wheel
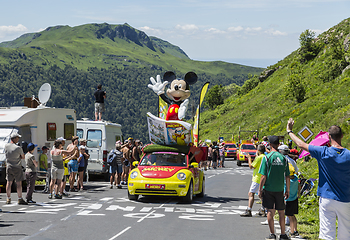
[[239, 163], [133, 197], [189, 196], [201, 194]]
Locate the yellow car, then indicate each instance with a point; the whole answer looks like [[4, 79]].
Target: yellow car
[[166, 171]]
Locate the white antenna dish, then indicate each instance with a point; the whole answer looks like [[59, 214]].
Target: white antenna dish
[[44, 94]]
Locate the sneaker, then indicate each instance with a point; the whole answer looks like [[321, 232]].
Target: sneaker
[[284, 236], [50, 196], [247, 213], [31, 201], [65, 194], [73, 190], [295, 234], [271, 236], [264, 223], [22, 202], [261, 212], [111, 187], [58, 196], [119, 186], [8, 201]]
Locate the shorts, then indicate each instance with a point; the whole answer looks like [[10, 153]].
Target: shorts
[[14, 173], [56, 173], [64, 179], [73, 166], [273, 200], [99, 107], [126, 163], [254, 187], [330, 210], [116, 169], [292, 207], [81, 169]]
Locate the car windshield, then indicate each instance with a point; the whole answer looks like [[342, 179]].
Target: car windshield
[[231, 145], [164, 159], [248, 147]]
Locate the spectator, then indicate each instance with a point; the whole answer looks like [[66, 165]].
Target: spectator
[[14, 155], [294, 153], [57, 168], [86, 156], [274, 168], [65, 167], [81, 164], [73, 162], [116, 167], [44, 166], [136, 151], [210, 156], [254, 187], [292, 201], [31, 172], [215, 154], [285, 151], [334, 182], [222, 154], [99, 102], [126, 160]]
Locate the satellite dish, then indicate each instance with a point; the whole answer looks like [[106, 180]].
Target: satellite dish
[[44, 94]]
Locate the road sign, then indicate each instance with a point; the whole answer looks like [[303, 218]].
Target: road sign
[[305, 133]]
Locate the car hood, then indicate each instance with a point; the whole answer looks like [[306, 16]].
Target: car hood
[[158, 171]]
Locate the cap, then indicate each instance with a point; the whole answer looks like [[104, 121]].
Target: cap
[[82, 147], [273, 139], [74, 138], [82, 140], [283, 148], [44, 147], [118, 142], [15, 134], [31, 146], [61, 139]]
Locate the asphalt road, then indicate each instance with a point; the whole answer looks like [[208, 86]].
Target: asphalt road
[[104, 213]]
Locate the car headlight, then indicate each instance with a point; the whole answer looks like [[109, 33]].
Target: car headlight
[[181, 176], [133, 174]]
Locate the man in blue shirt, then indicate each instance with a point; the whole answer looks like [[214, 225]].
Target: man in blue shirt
[[334, 182]]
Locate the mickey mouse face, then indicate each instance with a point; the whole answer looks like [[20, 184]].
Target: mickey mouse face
[[178, 90]]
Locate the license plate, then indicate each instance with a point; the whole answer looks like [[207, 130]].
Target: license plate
[[155, 186]]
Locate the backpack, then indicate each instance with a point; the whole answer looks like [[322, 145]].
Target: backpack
[[114, 157]]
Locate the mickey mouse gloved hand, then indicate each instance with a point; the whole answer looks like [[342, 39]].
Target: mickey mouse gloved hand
[[182, 109], [157, 86]]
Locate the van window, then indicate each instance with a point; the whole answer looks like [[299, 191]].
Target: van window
[[80, 133], [117, 138], [68, 130], [94, 138], [51, 131]]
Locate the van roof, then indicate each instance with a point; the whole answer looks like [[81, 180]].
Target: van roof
[[106, 123]]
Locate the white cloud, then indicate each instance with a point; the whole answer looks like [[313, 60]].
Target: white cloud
[[187, 27], [9, 31], [215, 31], [253, 30], [274, 32], [235, 29]]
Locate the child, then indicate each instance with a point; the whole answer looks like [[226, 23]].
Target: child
[[292, 201]]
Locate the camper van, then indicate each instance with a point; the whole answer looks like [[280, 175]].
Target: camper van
[[42, 126], [101, 137], [36, 123]]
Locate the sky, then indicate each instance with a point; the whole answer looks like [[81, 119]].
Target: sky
[[256, 33]]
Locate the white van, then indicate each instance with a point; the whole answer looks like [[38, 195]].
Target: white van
[[41, 126], [101, 137]]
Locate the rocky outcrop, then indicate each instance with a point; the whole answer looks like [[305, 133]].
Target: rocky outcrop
[[267, 73], [125, 32]]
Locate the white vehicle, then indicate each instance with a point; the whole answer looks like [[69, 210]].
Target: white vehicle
[[101, 137], [41, 125]]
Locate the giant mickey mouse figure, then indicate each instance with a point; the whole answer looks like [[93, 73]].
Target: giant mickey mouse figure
[[177, 95]]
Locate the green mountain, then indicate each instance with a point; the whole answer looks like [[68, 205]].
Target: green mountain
[[75, 59], [311, 85]]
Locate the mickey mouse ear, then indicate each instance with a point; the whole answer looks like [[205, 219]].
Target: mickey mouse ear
[[191, 78], [169, 76]]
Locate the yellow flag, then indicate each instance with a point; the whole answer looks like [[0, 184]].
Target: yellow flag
[[196, 117]]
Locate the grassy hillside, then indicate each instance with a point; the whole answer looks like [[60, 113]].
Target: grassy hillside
[[105, 46], [267, 104]]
